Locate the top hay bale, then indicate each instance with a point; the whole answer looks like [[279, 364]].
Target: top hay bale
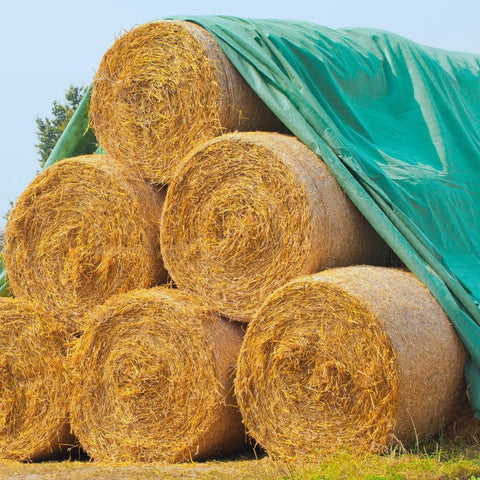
[[34, 386], [164, 87], [84, 229]]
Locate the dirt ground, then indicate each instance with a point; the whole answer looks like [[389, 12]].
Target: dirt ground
[[238, 469]]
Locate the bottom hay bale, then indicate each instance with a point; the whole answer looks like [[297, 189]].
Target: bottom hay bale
[[357, 358], [33, 384], [153, 380]]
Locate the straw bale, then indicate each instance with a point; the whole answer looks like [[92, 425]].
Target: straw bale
[[153, 380], [84, 229], [33, 384], [250, 211], [359, 358], [164, 87]]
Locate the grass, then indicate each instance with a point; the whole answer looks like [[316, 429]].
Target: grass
[[437, 460]]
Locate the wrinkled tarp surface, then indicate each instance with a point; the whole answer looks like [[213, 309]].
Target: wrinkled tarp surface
[[397, 123]]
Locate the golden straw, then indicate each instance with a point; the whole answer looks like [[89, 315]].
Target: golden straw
[[84, 229], [163, 88], [153, 380], [357, 358], [248, 212]]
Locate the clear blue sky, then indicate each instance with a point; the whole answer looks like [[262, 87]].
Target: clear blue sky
[[45, 46]]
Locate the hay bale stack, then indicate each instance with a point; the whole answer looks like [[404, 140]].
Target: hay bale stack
[[33, 384], [84, 229], [164, 87], [249, 212], [153, 380], [358, 357]]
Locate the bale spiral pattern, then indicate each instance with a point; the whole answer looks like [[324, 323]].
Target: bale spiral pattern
[[163, 88], [153, 380], [33, 383], [250, 211], [84, 229], [358, 357]]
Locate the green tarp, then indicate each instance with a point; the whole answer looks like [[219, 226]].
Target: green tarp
[[397, 123]]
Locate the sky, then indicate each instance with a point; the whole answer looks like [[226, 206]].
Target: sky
[[46, 46]]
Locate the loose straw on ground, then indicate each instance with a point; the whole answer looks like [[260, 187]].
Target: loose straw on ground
[[355, 358], [164, 87], [84, 229], [33, 384], [153, 380], [464, 428], [249, 212]]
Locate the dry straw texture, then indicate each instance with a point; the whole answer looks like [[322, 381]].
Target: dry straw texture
[[33, 384], [164, 87], [465, 428], [251, 211], [84, 229], [358, 357], [153, 380]]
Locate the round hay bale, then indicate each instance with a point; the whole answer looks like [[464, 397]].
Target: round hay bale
[[33, 384], [84, 229], [153, 380], [357, 358], [250, 211], [164, 87]]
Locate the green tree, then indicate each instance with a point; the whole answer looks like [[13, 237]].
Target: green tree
[[50, 128]]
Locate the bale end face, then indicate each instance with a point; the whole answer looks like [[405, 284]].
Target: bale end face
[[84, 229], [357, 357], [33, 384], [248, 212], [165, 87], [152, 380]]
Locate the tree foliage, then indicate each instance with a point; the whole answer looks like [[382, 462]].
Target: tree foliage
[[50, 128]]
